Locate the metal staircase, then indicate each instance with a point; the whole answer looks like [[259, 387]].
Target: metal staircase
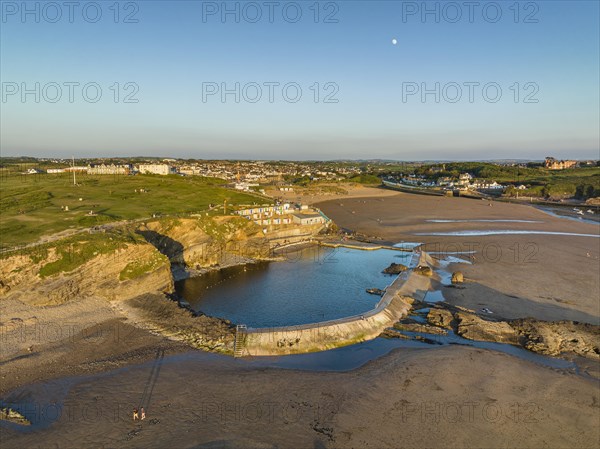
[[240, 340]]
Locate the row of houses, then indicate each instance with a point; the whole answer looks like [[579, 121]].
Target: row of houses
[[282, 214], [266, 211], [465, 181], [553, 164], [114, 169]]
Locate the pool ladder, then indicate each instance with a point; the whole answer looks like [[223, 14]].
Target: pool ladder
[[240, 340]]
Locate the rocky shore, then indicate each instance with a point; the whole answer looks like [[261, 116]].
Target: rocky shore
[[566, 339]]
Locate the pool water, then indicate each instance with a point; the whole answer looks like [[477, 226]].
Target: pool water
[[313, 284]]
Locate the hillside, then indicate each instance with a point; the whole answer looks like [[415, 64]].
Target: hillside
[[35, 206]]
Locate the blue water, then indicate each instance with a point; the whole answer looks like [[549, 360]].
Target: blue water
[[312, 285], [505, 232], [569, 215], [483, 221]]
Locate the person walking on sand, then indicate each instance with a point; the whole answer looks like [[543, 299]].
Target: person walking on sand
[[135, 414], [143, 413]]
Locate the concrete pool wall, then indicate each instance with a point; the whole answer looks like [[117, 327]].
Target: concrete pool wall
[[394, 304]]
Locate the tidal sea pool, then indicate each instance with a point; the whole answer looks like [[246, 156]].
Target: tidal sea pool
[[311, 285]]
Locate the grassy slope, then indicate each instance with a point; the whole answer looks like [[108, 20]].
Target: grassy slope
[[30, 205]]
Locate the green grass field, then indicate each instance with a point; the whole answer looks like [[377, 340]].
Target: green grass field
[[31, 206]]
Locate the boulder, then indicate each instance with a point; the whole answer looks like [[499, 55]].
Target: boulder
[[423, 270], [473, 327], [375, 291], [8, 414], [457, 277], [395, 268], [440, 317]]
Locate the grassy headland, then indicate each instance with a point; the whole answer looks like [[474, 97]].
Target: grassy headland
[[32, 206]]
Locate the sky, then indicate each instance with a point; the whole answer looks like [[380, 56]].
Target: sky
[[301, 80]]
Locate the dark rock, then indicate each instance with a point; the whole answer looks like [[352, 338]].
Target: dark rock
[[423, 270], [395, 268], [375, 291], [8, 414]]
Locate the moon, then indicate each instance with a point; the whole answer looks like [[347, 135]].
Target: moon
[[394, 41]]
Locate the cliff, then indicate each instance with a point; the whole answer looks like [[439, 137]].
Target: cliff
[[109, 267], [134, 260], [129, 269], [205, 242]]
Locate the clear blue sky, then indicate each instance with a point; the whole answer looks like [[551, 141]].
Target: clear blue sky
[[172, 50]]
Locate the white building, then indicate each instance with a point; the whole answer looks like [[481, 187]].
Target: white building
[[77, 168], [464, 180], [445, 182], [156, 169], [307, 218], [482, 184], [245, 186], [257, 213], [112, 169]]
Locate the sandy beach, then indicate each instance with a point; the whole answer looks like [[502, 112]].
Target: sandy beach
[[549, 277], [457, 398], [83, 385]]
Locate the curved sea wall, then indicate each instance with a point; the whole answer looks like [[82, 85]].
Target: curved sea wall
[[395, 303]]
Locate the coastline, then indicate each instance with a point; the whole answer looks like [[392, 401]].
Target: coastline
[[362, 401]]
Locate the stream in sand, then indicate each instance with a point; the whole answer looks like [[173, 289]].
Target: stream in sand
[[43, 403]]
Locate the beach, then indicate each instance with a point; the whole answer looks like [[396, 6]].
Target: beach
[[439, 397], [546, 276], [458, 397]]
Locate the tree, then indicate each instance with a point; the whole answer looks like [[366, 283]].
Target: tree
[[591, 192], [546, 191], [510, 191]]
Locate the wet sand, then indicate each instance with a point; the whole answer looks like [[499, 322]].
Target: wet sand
[[550, 277], [451, 398]]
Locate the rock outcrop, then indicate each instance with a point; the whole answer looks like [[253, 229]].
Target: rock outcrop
[[99, 275], [558, 337], [457, 277], [136, 259], [395, 268], [375, 291], [471, 326], [206, 242], [440, 317], [411, 326], [552, 338], [10, 415], [423, 270], [168, 318]]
